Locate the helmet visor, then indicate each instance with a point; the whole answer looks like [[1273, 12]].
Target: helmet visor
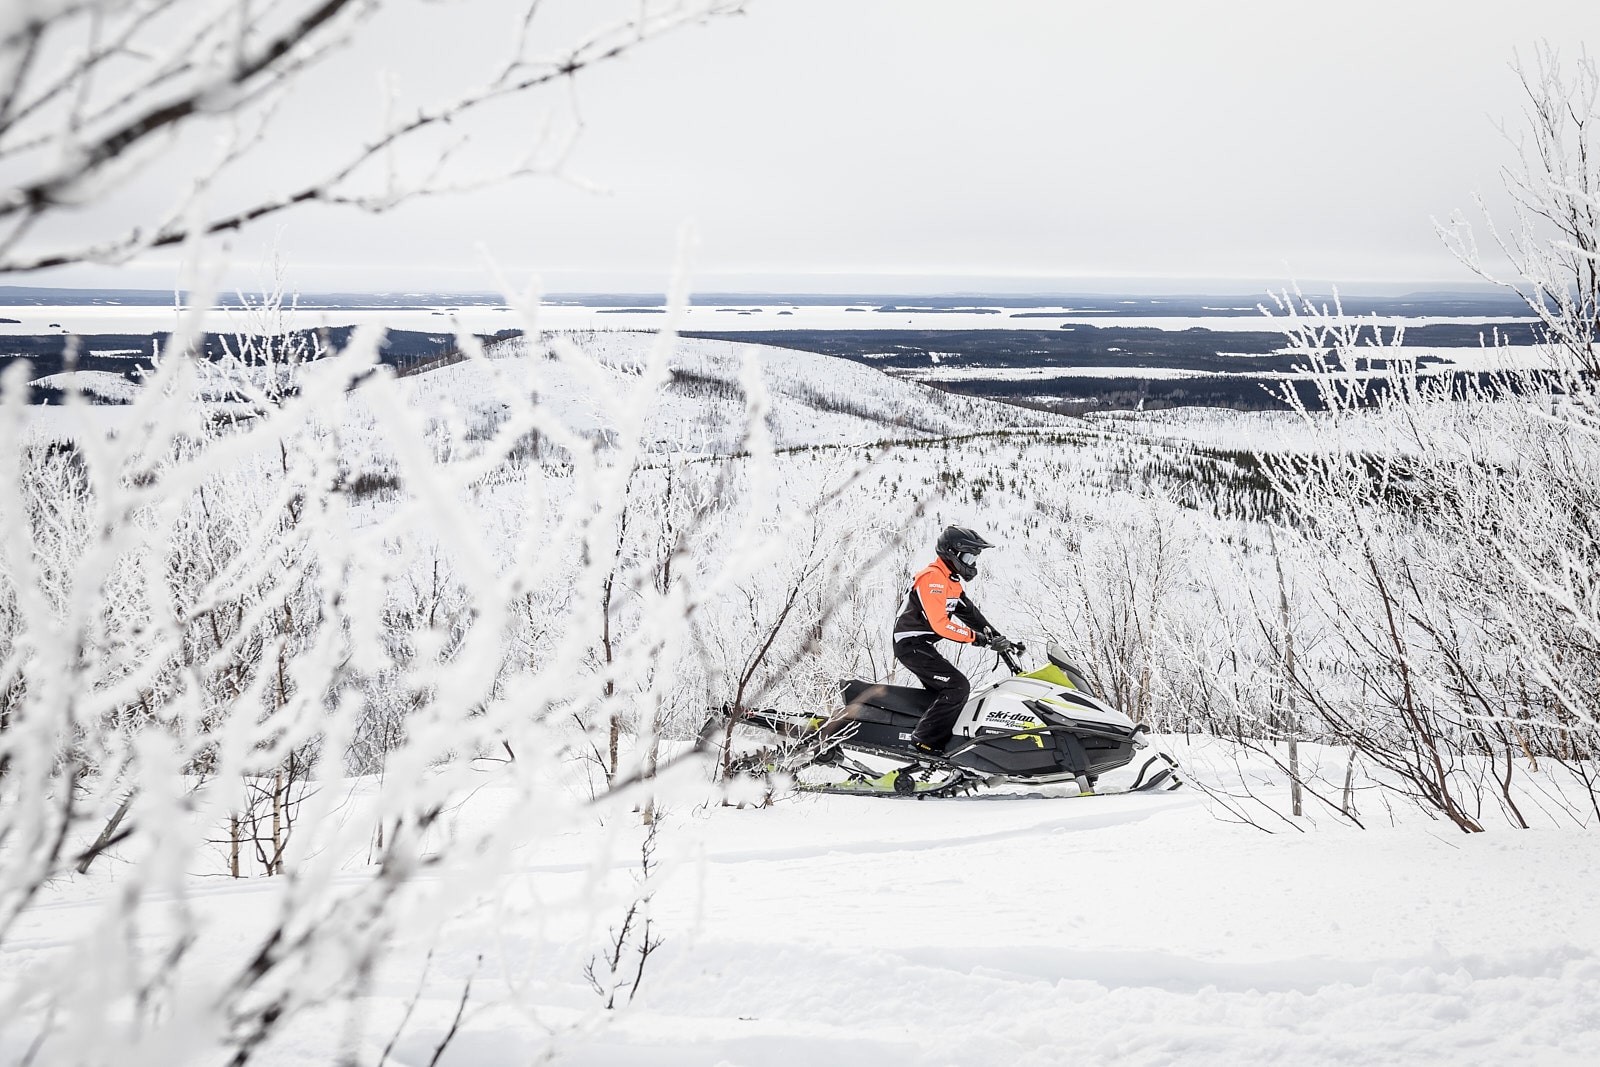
[[969, 558]]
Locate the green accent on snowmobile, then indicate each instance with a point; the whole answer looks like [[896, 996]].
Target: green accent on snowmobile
[[1052, 674], [883, 785]]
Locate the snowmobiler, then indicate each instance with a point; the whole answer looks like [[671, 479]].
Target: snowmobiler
[[1042, 727], [1038, 727], [936, 608]]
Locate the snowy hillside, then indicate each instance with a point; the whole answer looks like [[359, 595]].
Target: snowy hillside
[[812, 399]]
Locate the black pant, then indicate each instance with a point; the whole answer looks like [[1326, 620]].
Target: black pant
[[939, 676]]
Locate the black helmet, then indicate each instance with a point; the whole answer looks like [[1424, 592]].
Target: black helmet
[[959, 547]]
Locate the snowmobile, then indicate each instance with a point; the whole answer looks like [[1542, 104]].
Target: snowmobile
[[1039, 727]]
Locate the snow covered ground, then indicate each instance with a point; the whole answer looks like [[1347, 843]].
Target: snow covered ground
[[1213, 427], [1115, 930], [996, 929]]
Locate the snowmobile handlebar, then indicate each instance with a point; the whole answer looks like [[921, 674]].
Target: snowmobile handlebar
[[1008, 652]]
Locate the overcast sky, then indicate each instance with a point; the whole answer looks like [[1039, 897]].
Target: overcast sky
[[897, 145]]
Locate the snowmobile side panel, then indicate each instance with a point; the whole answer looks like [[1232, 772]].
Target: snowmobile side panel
[[1009, 755]]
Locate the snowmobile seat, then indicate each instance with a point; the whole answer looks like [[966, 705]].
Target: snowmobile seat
[[905, 699]]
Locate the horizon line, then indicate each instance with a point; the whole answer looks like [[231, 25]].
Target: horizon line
[[846, 294]]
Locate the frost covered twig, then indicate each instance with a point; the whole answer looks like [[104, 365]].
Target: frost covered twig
[[139, 80]]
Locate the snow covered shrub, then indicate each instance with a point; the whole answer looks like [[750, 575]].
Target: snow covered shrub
[[1119, 583], [1453, 555], [204, 635], [1450, 547]]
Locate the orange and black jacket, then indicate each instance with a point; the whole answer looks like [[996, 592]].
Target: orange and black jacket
[[936, 607]]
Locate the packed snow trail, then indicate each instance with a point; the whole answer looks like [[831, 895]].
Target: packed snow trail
[[1124, 930], [995, 930]]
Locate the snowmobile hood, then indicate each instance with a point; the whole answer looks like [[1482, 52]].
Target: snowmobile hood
[[1065, 699]]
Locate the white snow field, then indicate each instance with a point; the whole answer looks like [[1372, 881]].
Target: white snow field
[[995, 929], [1136, 930]]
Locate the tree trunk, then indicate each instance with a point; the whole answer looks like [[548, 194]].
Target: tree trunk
[[1288, 718], [276, 866], [1348, 802], [106, 833]]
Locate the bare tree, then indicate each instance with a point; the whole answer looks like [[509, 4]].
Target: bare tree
[[1449, 536], [618, 967], [1289, 722], [1553, 239], [1123, 575], [188, 608], [95, 95]]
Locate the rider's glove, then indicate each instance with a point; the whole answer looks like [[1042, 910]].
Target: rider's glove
[[1001, 644], [980, 639]]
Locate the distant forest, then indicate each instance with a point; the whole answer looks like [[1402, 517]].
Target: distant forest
[[1246, 353], [407, 351]]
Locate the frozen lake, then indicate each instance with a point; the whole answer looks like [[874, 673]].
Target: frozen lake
[[109, 319]]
